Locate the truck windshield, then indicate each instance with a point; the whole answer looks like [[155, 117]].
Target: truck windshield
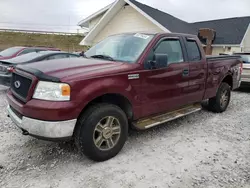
[[123, 47]]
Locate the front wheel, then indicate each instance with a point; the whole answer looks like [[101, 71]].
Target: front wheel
[[101, 132], [220, 102]]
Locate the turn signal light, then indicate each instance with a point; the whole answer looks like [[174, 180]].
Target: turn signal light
[[65, 90]]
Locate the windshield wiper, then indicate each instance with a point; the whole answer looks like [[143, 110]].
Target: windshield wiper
[[103, 57]]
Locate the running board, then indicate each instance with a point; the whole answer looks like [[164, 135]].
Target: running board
[[163, 118]]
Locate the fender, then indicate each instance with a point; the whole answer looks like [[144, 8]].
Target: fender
[[229, 73], [101, 86], [215, 78]]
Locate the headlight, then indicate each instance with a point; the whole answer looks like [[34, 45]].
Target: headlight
[[52, 91]]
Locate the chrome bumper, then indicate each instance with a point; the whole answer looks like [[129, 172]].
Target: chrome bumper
[[43, 129]]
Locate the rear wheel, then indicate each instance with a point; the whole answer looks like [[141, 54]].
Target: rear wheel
[[220, 102], [101, 132]]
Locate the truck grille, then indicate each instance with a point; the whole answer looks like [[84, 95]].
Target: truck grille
[[20, 86]]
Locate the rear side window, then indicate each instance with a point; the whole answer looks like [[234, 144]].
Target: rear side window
[[193, 50], [26, 51]]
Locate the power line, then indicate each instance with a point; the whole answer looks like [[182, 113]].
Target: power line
[[37, 31], [20, 23], [40, 29]]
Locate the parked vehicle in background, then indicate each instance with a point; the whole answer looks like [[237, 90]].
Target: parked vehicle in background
[[245, 77], [79, 53], [133, 79], [7, 66], [19, 50]]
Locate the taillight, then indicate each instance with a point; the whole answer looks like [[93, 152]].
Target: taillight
[[10, 69]]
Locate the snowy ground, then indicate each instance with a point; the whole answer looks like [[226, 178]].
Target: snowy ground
[[201, 150]]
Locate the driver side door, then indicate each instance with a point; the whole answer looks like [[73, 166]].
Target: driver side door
[[164, 88]]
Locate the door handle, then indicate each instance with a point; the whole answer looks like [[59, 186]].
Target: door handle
[[185, 72]]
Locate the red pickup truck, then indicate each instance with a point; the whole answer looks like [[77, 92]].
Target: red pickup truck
[[132, 80]]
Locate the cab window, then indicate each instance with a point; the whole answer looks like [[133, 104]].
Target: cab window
[[171, 47], [193, 51]]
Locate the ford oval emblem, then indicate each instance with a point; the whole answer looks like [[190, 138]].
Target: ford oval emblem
[[17, 84]]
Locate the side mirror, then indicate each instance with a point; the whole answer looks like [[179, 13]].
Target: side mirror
[[160, 61]]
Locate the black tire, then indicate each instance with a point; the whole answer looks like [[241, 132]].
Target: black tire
[[214, 104], [85, 129]]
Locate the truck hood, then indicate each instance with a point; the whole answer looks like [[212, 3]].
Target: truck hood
[[66, 69]]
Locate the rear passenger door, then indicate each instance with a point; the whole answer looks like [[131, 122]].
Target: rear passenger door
[[197, 70]]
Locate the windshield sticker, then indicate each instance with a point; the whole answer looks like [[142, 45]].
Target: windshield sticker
[[139, 35]]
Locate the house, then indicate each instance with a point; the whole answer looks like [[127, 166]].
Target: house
[[232, 34]]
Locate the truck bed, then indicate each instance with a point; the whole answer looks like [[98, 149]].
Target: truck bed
[[217, 68]]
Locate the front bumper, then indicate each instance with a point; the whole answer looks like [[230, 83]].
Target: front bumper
[[47, 130], [5, 79]]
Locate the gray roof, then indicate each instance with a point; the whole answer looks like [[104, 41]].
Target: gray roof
[[170, 22], [228, 31]]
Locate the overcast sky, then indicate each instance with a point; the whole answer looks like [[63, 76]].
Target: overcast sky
[[63, 15]]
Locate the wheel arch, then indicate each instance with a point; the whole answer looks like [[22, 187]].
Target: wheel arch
[[228, 78], [112, 98]]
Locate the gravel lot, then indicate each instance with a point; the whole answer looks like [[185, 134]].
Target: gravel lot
[[201, 150]]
